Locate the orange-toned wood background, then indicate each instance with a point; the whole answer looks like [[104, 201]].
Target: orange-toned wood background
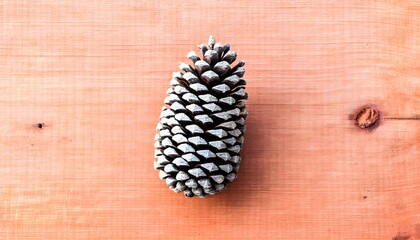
[[94, 73]]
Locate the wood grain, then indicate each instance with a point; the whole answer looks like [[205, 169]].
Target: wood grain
[[94, 74]]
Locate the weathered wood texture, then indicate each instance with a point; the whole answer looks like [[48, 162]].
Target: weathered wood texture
[[94, 73]]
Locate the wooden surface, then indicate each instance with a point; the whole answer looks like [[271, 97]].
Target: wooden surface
[[94, 75]]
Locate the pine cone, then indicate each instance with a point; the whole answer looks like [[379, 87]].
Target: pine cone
[[200, 133]]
